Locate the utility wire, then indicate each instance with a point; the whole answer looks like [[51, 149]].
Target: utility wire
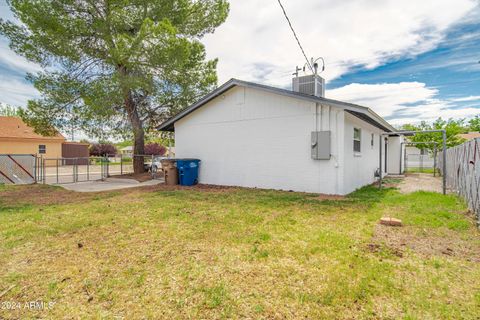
[[295, 35]]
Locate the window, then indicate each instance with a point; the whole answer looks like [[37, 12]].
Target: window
[[357, 133], [42, 148], [372, 141]]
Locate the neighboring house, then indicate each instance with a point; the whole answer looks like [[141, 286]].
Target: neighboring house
[[18, 138], [127, 151], [418, 158], [470, 135], [253, 135]]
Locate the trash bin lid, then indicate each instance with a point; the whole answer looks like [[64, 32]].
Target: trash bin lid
[[188, 159], [167, 161]]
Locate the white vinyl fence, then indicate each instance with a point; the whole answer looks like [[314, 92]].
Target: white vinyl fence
[[463, 173]]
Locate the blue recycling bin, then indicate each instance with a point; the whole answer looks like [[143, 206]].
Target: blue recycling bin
[[188, 171]]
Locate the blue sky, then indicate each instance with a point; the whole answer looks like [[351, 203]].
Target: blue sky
[[407, 60]]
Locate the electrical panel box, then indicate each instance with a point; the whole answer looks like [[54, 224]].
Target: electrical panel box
[[321, 145]]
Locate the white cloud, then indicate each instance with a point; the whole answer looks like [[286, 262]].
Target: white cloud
[[16, 92], [384, 98], [15, 62], [345, 33], [464, 99], [405, 102]]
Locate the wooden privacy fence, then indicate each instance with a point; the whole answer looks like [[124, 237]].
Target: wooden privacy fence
[[463, 173]]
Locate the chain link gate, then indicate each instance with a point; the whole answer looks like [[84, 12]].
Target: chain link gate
[[72, 170]]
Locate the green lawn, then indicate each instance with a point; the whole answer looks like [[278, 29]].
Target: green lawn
[[202, 253], [422, 170]]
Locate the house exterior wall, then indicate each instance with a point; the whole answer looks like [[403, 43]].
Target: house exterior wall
[[360, 166], [26, 146], [252, 138]]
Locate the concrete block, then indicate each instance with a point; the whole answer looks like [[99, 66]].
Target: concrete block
[[388, 221]]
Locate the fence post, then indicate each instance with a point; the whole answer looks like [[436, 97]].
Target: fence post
[[88, 169], [121, 164], [108, 167], [35, 169], [421, 161], [151, 169], [444, 158], [56, 160], [43, 171]]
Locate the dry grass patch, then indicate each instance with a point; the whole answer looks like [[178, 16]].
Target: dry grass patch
[[428, 242]]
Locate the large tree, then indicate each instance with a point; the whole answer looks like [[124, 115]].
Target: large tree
[[474, 124], [452, 129], [114, 66]]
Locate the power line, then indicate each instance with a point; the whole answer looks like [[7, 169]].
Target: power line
[[295, 35]]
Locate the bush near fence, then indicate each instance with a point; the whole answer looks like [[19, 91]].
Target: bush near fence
[[463, 173]]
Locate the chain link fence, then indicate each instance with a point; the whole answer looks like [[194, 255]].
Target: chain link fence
[[463, 173], [81, 169], [29, 168], [419, 163]]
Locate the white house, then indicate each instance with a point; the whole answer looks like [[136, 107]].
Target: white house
[[127, 151], [252, 135]]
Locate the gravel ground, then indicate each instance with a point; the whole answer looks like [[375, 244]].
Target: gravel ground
[[420, 181]]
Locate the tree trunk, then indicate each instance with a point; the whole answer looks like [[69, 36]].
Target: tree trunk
[[138, 135], [137, 126]]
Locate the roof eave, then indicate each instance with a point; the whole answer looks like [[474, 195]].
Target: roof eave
[[378, 121]]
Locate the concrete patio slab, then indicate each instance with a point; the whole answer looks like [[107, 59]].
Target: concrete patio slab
[[108, 184]]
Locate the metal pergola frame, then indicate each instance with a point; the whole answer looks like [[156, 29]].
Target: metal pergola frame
[[404, 133], [417, 143]]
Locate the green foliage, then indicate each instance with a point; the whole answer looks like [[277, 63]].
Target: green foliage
[[452, 128], [113, 67], [474, 124], [8, 110]]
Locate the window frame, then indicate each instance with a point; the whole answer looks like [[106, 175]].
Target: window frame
[[42, 149], [359, 139], [372, 141]]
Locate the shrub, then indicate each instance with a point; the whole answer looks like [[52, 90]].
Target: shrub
[[102, 149], [155, 149]]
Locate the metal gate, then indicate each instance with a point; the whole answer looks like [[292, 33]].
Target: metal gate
[[419, 163], [72, 170], [18, 168]]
